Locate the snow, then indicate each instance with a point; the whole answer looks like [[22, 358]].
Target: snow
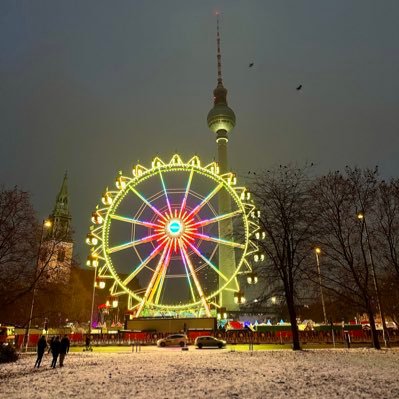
[[172, 373]]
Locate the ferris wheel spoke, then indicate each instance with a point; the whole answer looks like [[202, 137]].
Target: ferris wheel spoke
[[208, 262], [206, 200], [219, 218], [134, 243], [188, 277], [165, 253], [144, 263], [219, 240], [160, 278], [133, 221], [165, 192], [159, 289], [155, 210], [187, 260], [183, 204]]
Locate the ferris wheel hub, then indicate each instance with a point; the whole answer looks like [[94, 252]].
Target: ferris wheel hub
[[175, 228]]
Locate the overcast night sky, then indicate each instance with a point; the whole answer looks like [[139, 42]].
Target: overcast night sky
[[93, 86]]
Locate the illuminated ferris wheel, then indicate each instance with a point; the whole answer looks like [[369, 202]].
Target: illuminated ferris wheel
[[158, 238]]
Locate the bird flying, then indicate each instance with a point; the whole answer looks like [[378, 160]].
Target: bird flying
[[251, 64], [299, 87]]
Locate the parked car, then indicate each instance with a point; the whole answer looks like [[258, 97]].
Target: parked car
[[7, 335], [173, 340], [209, 341]]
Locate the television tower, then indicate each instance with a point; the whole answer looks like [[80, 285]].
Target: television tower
[[221, 120]]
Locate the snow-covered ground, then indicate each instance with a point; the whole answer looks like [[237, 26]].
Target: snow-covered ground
[[172, 373]]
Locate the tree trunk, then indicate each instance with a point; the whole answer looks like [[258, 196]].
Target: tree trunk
[[374, 334], [296, 345]]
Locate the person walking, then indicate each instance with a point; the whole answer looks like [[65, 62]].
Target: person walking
[[55, 350], [87, 343], [64, 349], [41, 347], [51, 344]]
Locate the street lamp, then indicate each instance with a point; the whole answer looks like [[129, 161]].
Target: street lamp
[[46, 224], [317, 252], [385, 334], [92, 261]]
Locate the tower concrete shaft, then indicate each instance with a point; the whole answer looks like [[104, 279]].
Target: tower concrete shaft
[[227, 258], [221, 120]]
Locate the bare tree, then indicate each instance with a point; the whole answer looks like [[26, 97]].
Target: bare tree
[[282, 195], [18, 230], [341, 203], [26, 261], [387, 220], [388, 224]]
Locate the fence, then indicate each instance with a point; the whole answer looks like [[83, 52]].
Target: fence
[[232, 337]]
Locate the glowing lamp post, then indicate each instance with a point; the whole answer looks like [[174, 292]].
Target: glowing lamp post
[[46, 224], [317, 252]]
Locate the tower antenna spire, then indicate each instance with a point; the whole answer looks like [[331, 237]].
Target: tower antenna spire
[[221, 118], [219, 54]]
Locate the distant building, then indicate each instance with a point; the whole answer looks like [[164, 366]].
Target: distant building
[[57, 247]]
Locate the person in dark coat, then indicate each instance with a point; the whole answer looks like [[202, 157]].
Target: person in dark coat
[[41, 347], [51, 344], [55, 350], [87, 342], [64, 349]]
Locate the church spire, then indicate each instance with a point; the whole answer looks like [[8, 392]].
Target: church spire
[[58, 243], [61, 218], [61, 205]]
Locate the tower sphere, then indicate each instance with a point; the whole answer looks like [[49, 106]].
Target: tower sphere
[[221, 117]]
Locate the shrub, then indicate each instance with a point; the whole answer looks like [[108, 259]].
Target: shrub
[[8, 354]]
